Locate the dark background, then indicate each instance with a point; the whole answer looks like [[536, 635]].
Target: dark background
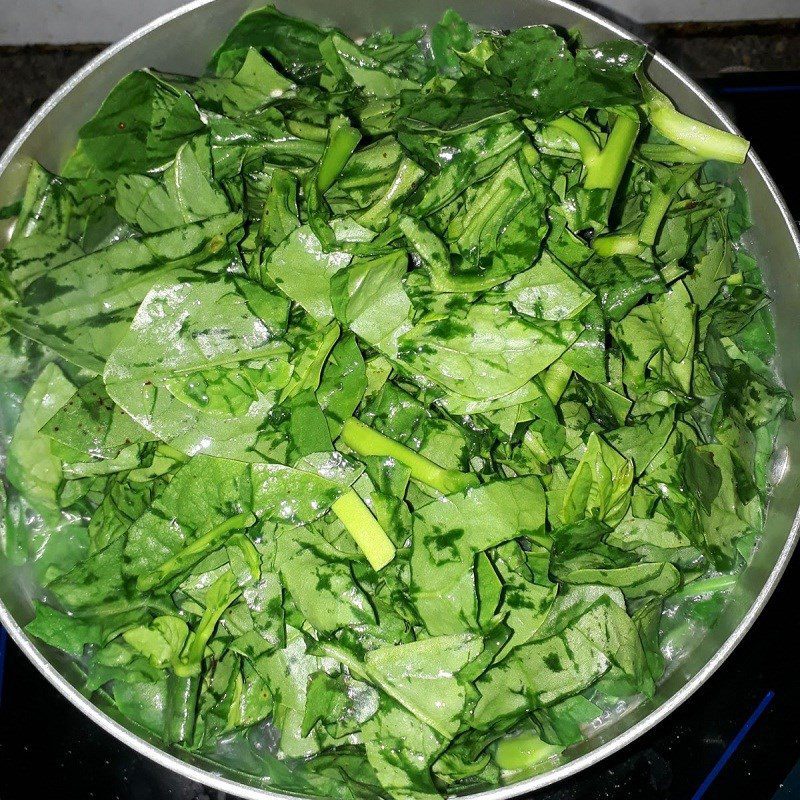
[[49, 750]]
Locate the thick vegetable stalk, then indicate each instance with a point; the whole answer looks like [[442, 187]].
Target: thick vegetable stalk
[[697, 137], [604, 167], [661, 196], [587, 144], [181, 707], [184, 683], [306, 130], [367, 532], [617, 244], [185, 559], [523, 751], [668, 153], [342, 141], [605, 170], [219, 596], [666, 185], [367, 441]]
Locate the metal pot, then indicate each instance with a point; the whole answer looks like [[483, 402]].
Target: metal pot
[[182, 42]]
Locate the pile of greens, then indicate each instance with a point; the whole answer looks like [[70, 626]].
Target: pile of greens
[[389, 391]]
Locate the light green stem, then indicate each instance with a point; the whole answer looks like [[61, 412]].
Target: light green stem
[[587, 144], [305, 130], [371, 538], [367, 441], [719, 583], [697, 137], [181, 707], [606, 169], [523, 751], [669, 153], [123, 606], [656, 211], [342, 141], [170, 452], [191, 662], [194, 552], [617, 244]]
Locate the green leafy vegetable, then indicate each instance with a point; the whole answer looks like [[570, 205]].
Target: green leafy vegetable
[[219, 375]]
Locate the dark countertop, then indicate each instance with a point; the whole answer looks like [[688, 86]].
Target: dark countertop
[[29, 76], [705, 50]]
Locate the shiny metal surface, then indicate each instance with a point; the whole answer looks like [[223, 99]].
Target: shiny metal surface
[[182, 42]]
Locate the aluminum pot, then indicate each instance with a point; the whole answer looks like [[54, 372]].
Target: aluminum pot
[[182, 42]]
